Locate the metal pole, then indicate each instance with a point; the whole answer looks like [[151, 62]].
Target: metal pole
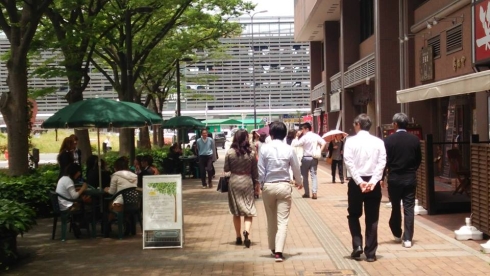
[[178, 87], [253, 70], [270, 117], [129, 70]]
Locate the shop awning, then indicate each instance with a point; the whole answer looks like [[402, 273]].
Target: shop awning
[[221, 122], [471, 83]]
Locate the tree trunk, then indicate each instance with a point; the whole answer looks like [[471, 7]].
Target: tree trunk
[[161, 139], [76, 95], [84, 143], [156, 129], [14, 109], [144, 138], [124, 141]]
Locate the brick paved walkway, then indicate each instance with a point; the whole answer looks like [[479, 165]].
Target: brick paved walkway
[[318, 243]]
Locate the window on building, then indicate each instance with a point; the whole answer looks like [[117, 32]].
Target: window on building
[[367, 19], [454, 39], [435, 42]]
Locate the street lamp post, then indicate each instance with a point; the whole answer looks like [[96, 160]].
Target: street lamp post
[[253, 64]]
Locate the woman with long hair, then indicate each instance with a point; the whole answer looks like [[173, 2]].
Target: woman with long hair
[[291, 136], [65, 155], [241, 162]]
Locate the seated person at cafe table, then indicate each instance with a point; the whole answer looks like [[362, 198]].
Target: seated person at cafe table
[[146, 169], [122, 179], [174, 154], [93, 174], [66, 188]]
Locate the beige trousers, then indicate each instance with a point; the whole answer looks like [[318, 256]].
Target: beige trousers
[[277, 203]]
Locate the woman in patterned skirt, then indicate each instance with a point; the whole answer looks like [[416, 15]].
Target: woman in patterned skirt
[[241, 162]]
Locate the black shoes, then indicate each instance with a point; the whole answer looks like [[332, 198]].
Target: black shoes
[[239, 241], [371, 259], [76, 230], [247, 241], [356, 253], [306, 196]]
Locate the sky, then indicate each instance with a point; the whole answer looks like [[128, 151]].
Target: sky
[[275, 7]]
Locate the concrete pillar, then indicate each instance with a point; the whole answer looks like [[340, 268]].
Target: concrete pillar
[[349, 51], [387, 61], [315, 63], [332, 63]]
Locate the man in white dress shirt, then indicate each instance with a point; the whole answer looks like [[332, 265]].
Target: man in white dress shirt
[[275, 159], [309, 141], [365, 158]]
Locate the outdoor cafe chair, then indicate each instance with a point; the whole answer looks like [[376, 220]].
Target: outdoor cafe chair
[[131, 210], [67, 215]]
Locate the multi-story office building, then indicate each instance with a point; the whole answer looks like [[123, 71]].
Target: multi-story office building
[[281, 77], [266, 55], [98, 86]]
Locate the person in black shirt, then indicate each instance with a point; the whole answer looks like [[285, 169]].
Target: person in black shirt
[[403, 157], [146, 169], [93, 174]]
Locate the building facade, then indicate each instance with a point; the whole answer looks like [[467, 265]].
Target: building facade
[[263, 63], [427, 58]]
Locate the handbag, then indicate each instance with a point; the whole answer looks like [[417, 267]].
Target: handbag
[[223, 184], [317, 153]]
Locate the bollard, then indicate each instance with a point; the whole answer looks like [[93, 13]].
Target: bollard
[[35, 157]]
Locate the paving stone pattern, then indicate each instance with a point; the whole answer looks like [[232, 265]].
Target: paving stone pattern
[[318, 243]]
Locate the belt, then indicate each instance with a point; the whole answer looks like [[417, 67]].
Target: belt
[[307, 156], [241, 173], [279, 181]]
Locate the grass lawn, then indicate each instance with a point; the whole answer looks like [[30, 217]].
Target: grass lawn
[[50, 142]]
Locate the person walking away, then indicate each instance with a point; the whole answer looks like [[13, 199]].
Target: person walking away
[[65, 155], [309, 141], [365, 158], [207, 155], [403, 157], [241, 162], [275, 159], [336, 151]]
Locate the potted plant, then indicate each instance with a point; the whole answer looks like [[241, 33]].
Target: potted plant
[[15, 218]]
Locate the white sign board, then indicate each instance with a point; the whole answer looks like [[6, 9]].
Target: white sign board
[[162, 211], [335, 102]]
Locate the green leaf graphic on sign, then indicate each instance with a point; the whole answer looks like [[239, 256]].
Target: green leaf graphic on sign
[[165, 188]]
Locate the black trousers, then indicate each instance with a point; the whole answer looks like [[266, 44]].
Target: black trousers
[[402, 188], [205, 165], [340, 165], [371, 202]]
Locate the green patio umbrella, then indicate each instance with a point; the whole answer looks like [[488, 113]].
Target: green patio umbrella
[[183, 122], [102, 113]]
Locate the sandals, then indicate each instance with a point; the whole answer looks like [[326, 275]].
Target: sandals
[[247, 241], [239, 241]]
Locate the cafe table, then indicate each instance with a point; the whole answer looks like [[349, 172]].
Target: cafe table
[[186, 160], [98, 194]]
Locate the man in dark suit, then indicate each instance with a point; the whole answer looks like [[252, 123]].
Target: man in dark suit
[[77, 153], [402, 161]]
